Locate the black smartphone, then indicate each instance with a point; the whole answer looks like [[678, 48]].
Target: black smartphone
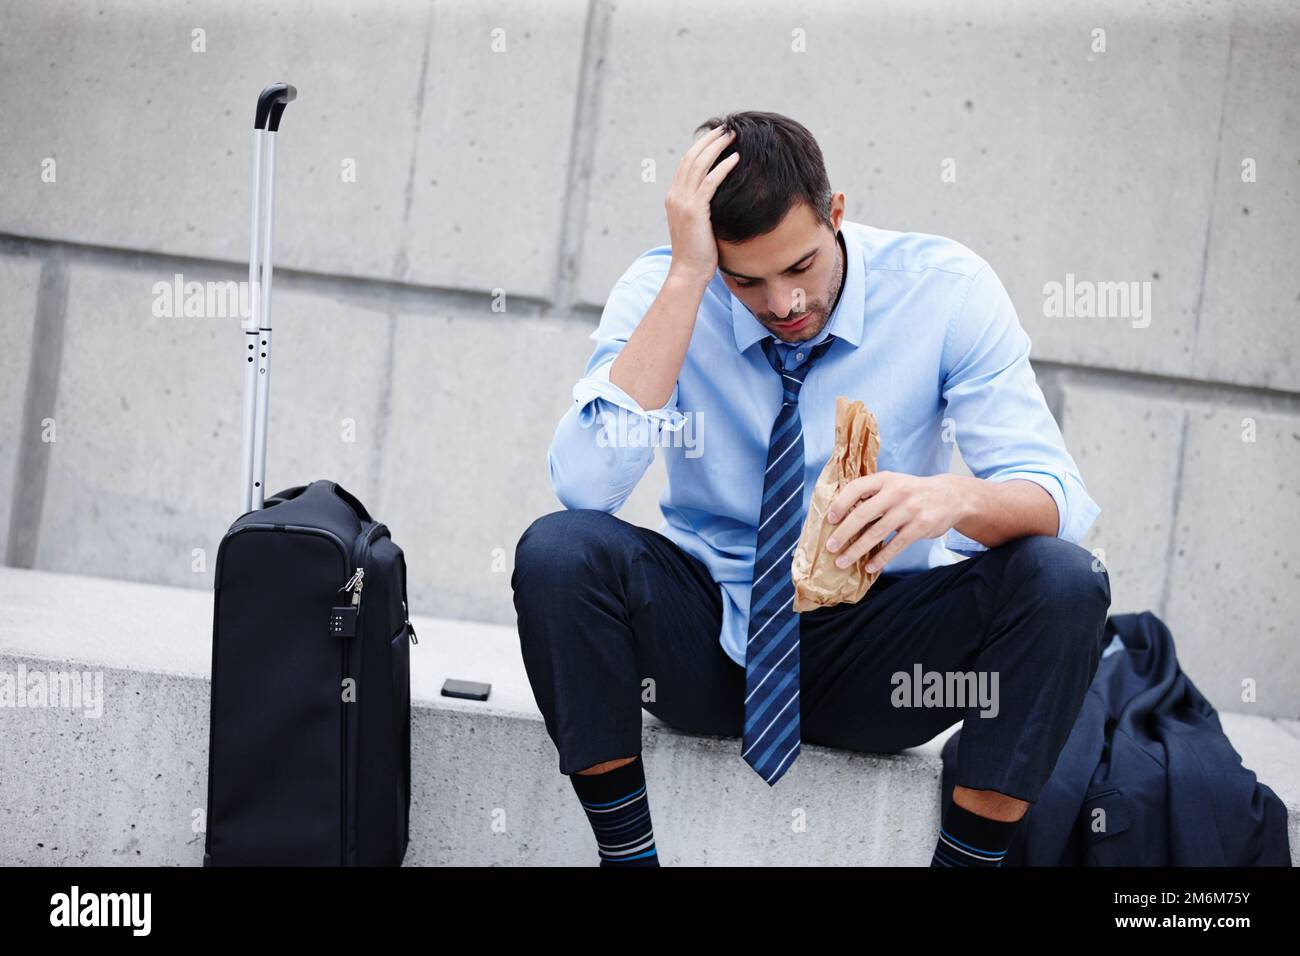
[[468, 689]]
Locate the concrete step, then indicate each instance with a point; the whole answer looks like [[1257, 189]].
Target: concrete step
[[129, 785]]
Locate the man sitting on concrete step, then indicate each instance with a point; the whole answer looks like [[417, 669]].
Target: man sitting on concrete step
[[766, 305]]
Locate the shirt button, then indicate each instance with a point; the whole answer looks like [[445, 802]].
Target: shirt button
[[798, 356]]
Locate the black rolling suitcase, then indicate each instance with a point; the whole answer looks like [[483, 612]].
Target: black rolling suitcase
[[309, 753]]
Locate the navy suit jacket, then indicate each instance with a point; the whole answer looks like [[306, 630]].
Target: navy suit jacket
[[1147, 776]]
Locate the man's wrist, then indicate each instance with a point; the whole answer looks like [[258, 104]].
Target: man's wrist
[[687, 280], [967, 495]]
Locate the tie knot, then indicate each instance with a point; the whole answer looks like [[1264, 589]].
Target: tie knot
[[792, 379]]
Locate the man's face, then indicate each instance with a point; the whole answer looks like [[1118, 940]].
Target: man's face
[[789, 277]]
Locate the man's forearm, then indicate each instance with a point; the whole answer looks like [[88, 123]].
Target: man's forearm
[[998, 511], [648, 365]]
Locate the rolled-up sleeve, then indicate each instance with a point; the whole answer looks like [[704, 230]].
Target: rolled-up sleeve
[[606, 440], [1003, 425]]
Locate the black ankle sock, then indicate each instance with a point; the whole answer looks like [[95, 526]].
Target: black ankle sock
[[968, 839], [618, 810]]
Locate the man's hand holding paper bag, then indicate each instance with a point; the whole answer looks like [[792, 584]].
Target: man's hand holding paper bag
[[855, 508], [817, 581]]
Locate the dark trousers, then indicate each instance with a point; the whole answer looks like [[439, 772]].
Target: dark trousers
[[613, 617]]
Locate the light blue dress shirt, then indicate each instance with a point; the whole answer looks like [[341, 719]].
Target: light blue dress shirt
[[927, 338]]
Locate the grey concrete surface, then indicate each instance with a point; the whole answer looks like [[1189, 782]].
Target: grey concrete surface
[[152, 137], [475, 400], [145, 468], [1108, 427], [129, 785], [399, 160], [20, 278], [1251, 291], [487, 196], [1239, 499]]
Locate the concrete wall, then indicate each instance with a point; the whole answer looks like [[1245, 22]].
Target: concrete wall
[[447, 159]]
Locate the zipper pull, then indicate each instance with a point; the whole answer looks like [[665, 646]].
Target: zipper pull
[[355, 584], [411, 628]]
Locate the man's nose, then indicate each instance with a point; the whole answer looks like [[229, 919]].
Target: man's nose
[[781, 301]]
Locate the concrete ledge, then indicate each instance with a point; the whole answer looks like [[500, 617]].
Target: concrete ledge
[[128, 786]]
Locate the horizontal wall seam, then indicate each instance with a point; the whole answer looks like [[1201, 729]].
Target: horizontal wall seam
[[386, 295]]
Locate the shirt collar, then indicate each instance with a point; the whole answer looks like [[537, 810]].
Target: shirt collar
[[847, 318]]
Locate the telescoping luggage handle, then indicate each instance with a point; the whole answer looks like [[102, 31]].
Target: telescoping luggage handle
[[257, 324]]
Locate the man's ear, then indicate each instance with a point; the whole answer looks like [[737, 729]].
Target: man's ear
[[837, 210]]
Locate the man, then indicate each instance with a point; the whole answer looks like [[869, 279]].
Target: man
[[766, 305]]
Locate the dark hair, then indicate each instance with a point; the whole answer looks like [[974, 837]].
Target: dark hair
[[780, 164]]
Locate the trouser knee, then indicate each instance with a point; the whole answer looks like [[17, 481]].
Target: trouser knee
[[1065, 583]]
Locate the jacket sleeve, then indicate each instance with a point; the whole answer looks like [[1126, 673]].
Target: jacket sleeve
[[606, 440], [1004, 427]]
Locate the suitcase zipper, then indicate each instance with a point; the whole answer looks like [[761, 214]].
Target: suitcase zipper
[[410, 628], [355, 584], [343, 796], [360, 553]]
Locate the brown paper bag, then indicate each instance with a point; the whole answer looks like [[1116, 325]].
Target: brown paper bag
[[817, 581]]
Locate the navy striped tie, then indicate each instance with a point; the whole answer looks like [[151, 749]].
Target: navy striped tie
[[771, 738]]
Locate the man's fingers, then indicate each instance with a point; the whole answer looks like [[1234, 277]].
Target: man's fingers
[[687, 161], [890, 551], [719, 172], [853, 492], [700, 165], [891, 520], [693, 150], [845, 514], [863, 514]]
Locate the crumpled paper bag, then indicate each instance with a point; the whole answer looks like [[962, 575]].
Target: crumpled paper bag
[[817, 581]]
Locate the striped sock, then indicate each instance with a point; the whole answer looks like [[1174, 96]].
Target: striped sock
[[619, 813], [968, 839]]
